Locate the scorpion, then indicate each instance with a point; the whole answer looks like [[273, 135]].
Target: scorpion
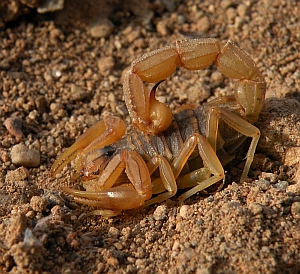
[[166, 151]]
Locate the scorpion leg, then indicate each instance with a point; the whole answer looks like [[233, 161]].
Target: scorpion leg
[[240, 125], [201, 178], [198, 179], [101, 134], [166, 178]]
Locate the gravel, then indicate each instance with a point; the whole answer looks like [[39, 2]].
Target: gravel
[[62, 72]]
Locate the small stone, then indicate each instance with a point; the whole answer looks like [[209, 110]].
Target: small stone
[[263, 184], [50, 6], [38, 203], [56, 73], [225, 4], [4, 156], [41, 104], [242, 10], [294, 189], [48, 77], [53, 198], [271, 177], [295, 210], [231, 14], [113, 232], [176, 245], [118, 246], [161, 28], [77, 93], [256, 208], [160, 213], [33, 114], [55, 107], [282, 185], [20, 174], [231, 206], [105, 65], [23, 156], [295, 231], [14, 127], [185, 212], [217, 78], [101, 28], [203, 24]]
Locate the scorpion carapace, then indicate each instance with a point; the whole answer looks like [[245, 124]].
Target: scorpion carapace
[[168, 151]]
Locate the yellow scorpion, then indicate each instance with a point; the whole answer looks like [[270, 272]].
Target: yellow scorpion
[[168, 151]]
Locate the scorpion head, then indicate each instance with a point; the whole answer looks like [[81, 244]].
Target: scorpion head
[[95, 162]]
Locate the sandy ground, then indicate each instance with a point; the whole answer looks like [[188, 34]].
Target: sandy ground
[[61, 72]]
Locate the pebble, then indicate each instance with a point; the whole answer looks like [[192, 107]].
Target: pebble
[[225, 4], [14, 127], [55, 107], [295, 210], [160, 213], [203, 24], [105, 65], [102, 28], [176, 245], [23, 156], [54, 198], [256, 208], [231, 206], [38, 203], [185, 212], [113, 232], [242, 10], [231, 14], [294, 189], [161, 27], [77, 93], [271, 177], [20, 174], [296, 233], [31, 240], [263, 184], [50, 6], [282, 185]]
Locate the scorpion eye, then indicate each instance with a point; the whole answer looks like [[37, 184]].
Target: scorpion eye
[[108, 151]]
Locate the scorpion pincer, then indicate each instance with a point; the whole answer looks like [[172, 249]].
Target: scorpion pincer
[[168, 151]]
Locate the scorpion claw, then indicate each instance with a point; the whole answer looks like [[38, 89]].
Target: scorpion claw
[[103, 133], [117, 198]]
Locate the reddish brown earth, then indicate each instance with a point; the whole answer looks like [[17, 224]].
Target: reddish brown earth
[[61, 72]]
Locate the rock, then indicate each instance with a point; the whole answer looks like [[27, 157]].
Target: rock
[[203, 24], [101, 28], [20, 174], [23, 156], [14, 126], [186, 212], [295, 210], [38, 203], [77, 93], [105, 65], [50, 6], [160, 213]]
